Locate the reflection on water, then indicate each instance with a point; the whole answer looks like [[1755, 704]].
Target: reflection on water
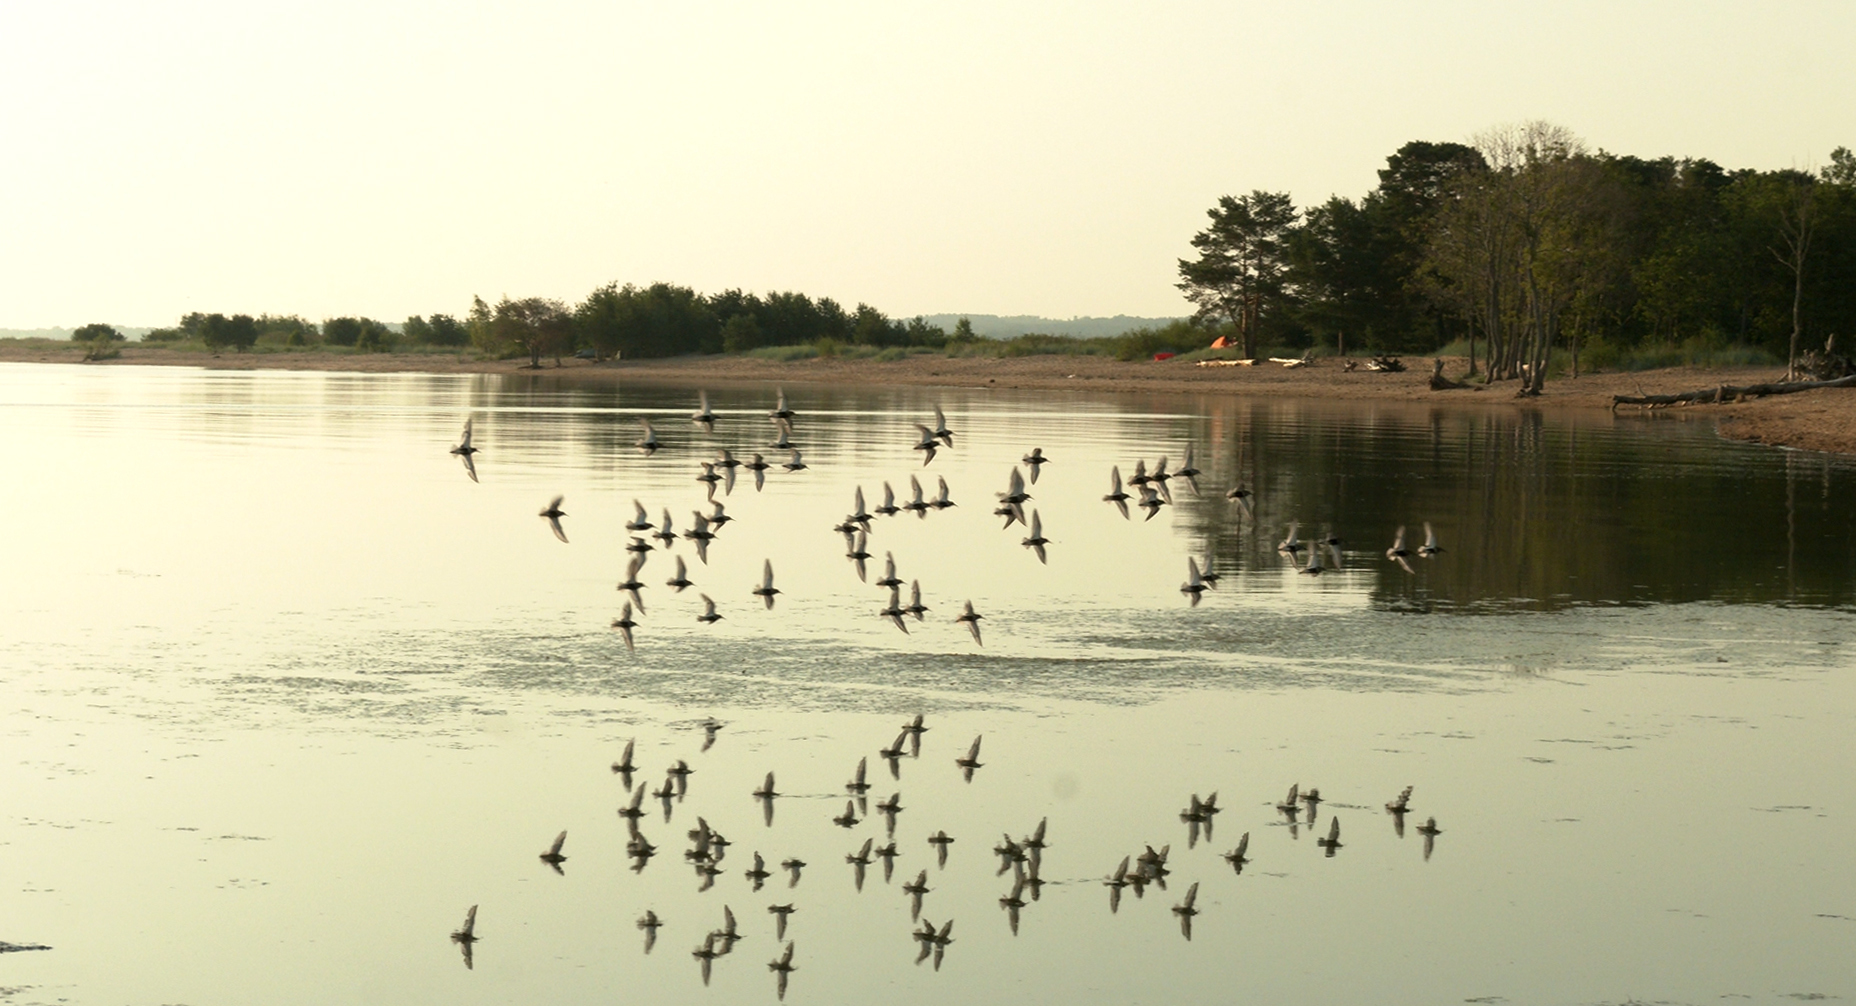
[[289, 693]]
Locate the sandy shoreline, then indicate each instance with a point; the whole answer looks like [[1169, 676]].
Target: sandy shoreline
[[1814, 420]]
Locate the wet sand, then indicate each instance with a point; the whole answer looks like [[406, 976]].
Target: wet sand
[[1814, 420]]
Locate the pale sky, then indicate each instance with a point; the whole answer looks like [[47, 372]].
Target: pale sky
[[395, 157]]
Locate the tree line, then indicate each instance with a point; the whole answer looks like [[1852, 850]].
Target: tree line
[[1525, 244], [662, 319]]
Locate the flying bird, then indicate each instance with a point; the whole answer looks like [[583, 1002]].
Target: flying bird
[[783, 966], [1115, 493], [464, 450], [1398, 552], [971, 760], [648, 443], [894, 610], [779, 913], [973, 621], [926, 445], [915, 502], [780, 411], [554, 513], [1035, 459], [940, 840], [1331, 842], [765, 591], [640, 520], [1195, 584], [625, 625], [1036, 541], [941, 432], [1236, 856], [783, 437], [941, 501], [1290, 545], [553, 856], [1430, 546], [708, 616], [1188, 472], [701, 535], [681, 580], [889, 579], [702, 416], [794, 464], [467, 933]]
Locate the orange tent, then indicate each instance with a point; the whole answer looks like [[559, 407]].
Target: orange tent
[[1223, 342]]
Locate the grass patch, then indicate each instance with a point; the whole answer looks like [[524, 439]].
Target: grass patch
[[783, 354]]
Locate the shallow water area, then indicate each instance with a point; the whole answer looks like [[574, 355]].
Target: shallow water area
[[287, 693]]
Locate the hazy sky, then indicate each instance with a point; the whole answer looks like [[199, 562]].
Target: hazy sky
[[396, 156]]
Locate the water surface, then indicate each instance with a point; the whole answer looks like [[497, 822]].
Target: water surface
[[288, 692]]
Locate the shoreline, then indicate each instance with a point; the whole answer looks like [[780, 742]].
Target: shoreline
[[1823, 420]]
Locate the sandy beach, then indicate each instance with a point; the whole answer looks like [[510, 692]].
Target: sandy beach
[[1822, 420]]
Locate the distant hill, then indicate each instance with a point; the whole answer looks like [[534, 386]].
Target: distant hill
[[997, 326], [128, 331]]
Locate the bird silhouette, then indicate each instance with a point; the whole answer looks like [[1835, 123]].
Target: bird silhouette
[[1236, 856], [1194, 585], [702, 416], [681, 579], [766, 590], [1331, 842], [1036, 540], [1115, 493], [973, 621], [889, 507], [971, 760], [783, 966], [779, 913], [647, 444], [554, 513], [649, 923], [1035, 460], [941, 432], [625, 625], [553, 856], [1430, 546], [926, 444], [464, 450]]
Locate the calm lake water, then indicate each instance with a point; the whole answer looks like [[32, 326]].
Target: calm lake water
[[285, 693]]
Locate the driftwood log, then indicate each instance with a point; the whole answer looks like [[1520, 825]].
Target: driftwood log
[[1383, 364], [1727, 393], [1441, 383]]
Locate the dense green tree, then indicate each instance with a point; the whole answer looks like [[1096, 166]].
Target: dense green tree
[[1243, 269], [364, 334], [239, 332], [539, 325], [740, 334], [97, 332], [436, 330]]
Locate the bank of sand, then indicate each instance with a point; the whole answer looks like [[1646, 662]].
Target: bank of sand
[[1822, 420]]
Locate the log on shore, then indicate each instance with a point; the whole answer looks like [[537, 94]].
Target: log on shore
[[1728, 393]]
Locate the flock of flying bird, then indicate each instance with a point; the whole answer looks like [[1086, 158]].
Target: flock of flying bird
[[1022, 857], [1152, 491]]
